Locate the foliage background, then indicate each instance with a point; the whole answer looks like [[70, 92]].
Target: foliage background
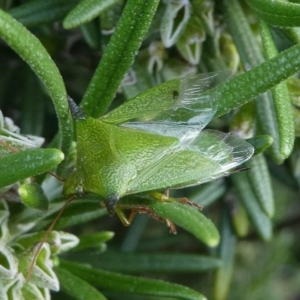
[[259, 252]]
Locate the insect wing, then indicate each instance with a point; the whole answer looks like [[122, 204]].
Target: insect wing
[[177, 101], [210, 155], [184, 133]]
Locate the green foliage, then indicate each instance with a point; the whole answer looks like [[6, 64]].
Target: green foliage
[[141, 102]]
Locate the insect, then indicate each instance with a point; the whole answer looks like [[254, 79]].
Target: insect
[[154, 141]]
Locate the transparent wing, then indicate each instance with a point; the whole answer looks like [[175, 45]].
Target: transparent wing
[[184, 133], [210, 155], [177, 101]]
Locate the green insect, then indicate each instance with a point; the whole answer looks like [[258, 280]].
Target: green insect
[[153, 142]]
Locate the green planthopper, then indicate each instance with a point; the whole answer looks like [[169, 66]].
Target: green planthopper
[[153, 142]]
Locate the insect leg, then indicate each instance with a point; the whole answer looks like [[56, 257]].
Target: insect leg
[[141, 209], [166, 198]]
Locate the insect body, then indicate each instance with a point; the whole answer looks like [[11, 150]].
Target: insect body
[[154, 141]]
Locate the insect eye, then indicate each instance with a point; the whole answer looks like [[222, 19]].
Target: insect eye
[[111, 203], [175, 94], [79, 191]]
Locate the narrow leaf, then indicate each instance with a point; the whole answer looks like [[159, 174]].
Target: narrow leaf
[[77, 288], [95, 240], [240, 220], [91, 34], [118, 56], [32, 195], [184, 215], [86, 11], [278, 13], [247, 197], [38, 12], [260, 143], [259, 79], [32, 51], [252, 83], [131, 284], [281, 99], [261, 183], [226, 251], [155, 262], [27, 163], [190, 219]]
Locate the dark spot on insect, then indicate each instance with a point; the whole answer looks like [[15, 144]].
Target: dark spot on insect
[[111, 203], [175, 94]]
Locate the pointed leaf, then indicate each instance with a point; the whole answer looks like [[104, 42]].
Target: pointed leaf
[[260, 180], [259, 219], [131, 284], [282, 103], [226, 252], [190, 219], [260, 143], [95, 240], [32, 195], [118, 56], [75, 287], [278, 13], [251, 56], [28, 163], [32, 51], [86, 11], [133, 262], [183, 215], [38, 12]]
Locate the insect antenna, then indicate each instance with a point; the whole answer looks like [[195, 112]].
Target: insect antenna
[[240, 170], [56, 176], [37, 251]]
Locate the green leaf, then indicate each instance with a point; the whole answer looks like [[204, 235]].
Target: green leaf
[[260, 143], [95, 240], [27, 163], [278, 13], [137, 263], [190, 219], [226, 252], [261, 183], [75, 287], [40, 12], [183, 215], [259, 79], [240, 220], [32, 51], [32, 195], [86, 11], [259, 219], [91, 34], [281, 99], [249, 85], [118, 56], [131, 284]]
